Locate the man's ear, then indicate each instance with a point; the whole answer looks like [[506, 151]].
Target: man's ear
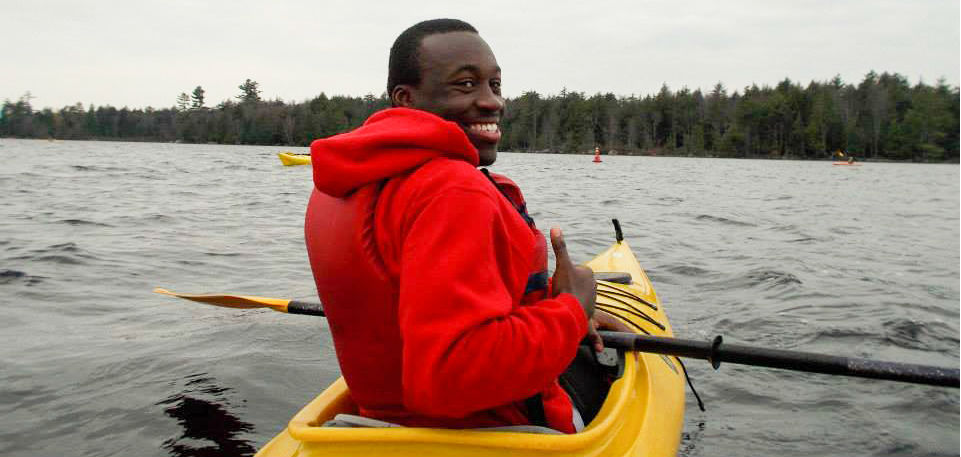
[[402, 96]]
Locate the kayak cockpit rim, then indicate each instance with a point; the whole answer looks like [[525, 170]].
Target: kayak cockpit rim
[[306, 425]]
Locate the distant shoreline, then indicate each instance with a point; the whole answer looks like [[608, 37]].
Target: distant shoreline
[[881, 118], [585, 153]]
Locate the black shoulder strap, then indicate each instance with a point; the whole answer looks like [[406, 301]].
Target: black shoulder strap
[[521, 209], [535, 410]]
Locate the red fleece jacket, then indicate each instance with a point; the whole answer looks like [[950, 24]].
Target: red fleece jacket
[[435, 329]]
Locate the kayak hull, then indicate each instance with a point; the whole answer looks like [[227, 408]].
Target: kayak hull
[[643, 413], [289, 159]]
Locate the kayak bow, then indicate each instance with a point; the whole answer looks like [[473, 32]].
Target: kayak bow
[[288, 158]]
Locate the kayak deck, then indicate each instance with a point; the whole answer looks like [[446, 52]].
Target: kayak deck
[[642, 415]]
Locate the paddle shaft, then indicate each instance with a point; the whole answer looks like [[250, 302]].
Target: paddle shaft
[[716, 352], [305, 307]]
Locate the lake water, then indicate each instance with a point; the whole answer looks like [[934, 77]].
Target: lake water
[[853, 261]]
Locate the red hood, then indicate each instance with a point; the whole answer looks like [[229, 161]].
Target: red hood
[[391, 142]]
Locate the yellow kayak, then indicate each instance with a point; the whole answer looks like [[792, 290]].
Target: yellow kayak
[[289, 158], [642, 415]]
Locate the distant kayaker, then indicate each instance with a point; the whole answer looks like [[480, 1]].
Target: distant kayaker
[[432, 273]]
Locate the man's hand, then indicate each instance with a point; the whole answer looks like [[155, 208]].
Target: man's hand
[[576, 280], [603, 321]]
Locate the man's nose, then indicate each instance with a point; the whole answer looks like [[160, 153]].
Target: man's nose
[[490, 101]]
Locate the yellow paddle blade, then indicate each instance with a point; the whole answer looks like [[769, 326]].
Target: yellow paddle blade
[[232, 301]]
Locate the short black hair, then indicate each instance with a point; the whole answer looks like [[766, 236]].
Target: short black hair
[[403, 66]]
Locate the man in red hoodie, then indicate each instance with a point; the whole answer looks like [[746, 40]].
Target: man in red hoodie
[[432, 274]]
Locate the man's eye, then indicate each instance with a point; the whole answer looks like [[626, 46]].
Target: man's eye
[[496, 85], [468, 84]]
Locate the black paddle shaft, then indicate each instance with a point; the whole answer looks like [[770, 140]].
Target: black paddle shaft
[[716, 352], [305, 307]]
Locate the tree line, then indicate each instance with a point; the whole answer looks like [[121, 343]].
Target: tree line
[[882, 117]]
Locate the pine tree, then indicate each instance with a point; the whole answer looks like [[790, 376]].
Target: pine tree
[[198, 98], [183, 101], [250, 91]]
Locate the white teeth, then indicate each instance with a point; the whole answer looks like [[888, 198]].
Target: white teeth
[[484, 127]]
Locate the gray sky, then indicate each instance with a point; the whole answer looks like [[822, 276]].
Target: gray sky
[[144, 53]]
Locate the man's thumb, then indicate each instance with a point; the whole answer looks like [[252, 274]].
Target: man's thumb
[[560, 247]]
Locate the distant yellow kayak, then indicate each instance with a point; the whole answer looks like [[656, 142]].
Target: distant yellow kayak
[[288, 158], [642, 415]]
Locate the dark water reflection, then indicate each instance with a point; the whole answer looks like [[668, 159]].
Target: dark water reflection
[[209, 428], [860, 262]]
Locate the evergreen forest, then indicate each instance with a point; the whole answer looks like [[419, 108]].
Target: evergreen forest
[[881, 118]]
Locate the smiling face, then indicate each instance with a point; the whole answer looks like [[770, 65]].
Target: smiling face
[[460, 82]]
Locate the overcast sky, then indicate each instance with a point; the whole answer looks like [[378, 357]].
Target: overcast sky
[[144, 53]]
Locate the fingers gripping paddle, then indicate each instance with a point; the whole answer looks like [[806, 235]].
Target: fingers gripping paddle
[[250, 302]]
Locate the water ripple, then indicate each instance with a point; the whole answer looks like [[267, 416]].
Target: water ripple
[[724, 220], [15, 276], [81, 222], [926, 336]]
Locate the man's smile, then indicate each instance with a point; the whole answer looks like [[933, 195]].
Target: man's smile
[[485, 131]]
